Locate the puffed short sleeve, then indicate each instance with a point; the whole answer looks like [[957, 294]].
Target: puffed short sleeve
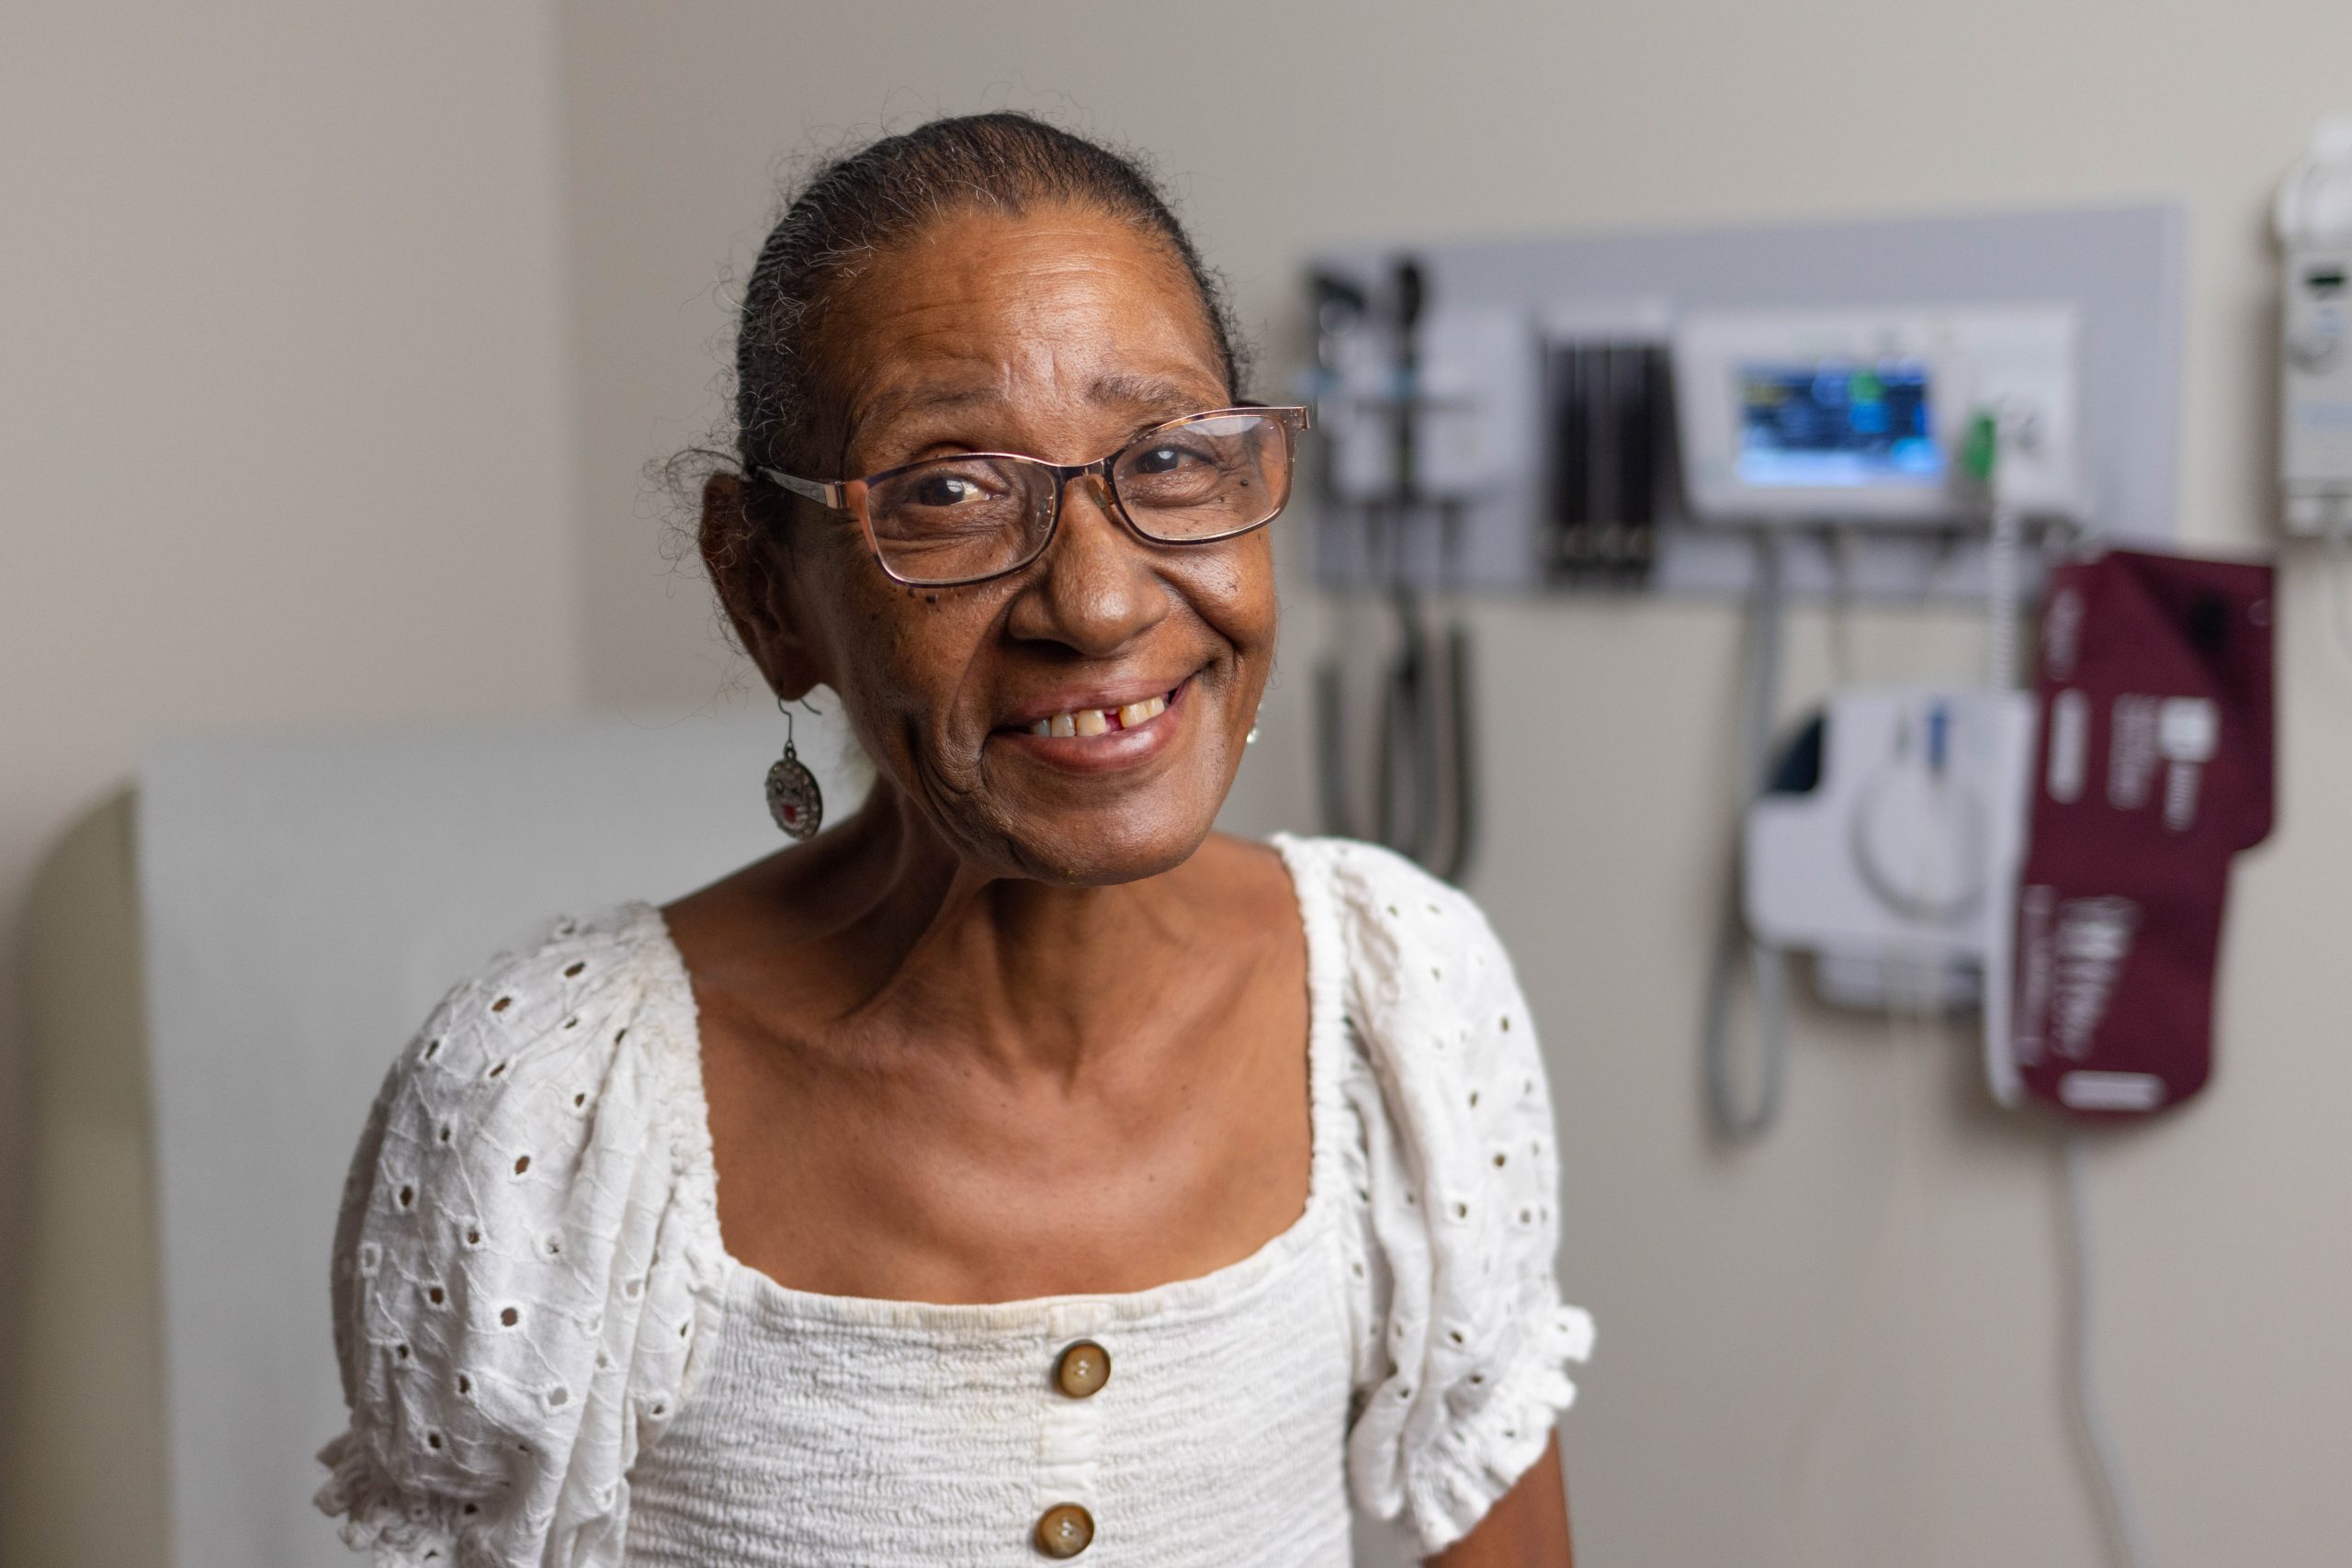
[[1463, 1343], [521, 1274]]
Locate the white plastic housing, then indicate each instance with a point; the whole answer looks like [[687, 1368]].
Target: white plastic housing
[[2017, 362], [1907, 848]]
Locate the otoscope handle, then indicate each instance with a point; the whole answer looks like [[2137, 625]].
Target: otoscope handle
[[1412, 300]]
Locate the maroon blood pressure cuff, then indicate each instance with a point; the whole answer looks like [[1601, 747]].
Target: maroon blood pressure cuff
[[2153, 768]]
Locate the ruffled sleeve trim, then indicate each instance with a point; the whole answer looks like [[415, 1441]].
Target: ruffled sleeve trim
[[397, 1529], [1472, 1463]]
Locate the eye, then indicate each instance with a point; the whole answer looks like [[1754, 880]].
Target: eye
[[1165, 458], [944, 490]]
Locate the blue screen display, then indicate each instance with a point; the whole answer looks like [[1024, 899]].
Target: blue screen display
[[1837, 425]]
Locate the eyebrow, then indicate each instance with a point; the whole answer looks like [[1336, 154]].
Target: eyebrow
[[1157, 394], [897, 401]]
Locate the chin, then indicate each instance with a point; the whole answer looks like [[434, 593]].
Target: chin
[[1105, 853]]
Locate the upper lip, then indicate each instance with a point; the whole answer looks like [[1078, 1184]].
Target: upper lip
[[1076, 699]]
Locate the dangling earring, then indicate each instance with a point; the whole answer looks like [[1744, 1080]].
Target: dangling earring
[[794, 799], [1251, 738]]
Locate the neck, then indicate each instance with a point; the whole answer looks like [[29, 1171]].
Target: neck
[[1023, 975]]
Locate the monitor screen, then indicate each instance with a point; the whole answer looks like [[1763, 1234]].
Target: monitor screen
[[1836, 425]]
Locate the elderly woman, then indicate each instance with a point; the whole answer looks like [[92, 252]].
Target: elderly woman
[[1019, 1170]]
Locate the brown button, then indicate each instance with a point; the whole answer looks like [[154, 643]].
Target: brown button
[[1065, 1531], [1084, 1368]]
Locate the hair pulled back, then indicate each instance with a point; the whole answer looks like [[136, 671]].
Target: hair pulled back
[[857, 207]]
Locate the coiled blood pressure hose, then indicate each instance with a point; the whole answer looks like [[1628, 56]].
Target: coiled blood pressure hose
[[1769, 964]]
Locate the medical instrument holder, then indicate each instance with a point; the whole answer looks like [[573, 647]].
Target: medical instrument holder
[[2117, 270], [1370, 376]]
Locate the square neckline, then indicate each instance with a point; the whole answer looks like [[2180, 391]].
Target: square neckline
[[1326, 1037]]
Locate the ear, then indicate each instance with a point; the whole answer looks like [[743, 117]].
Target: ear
[[751, 569]]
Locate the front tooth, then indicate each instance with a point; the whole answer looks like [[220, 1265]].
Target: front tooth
[[1133, 714], [1063, 724], [1091, 721], [1155, 706], [1043, 726]]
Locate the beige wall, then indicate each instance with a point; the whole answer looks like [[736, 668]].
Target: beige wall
[[284, 431], [333, 340], [1837, 1347]]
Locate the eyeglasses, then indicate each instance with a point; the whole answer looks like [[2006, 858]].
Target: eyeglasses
[[949, 521]]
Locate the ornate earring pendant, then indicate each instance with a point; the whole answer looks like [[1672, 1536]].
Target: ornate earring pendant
[[794, 799]]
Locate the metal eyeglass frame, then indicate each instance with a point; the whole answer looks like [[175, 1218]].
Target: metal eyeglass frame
[[848, 496]]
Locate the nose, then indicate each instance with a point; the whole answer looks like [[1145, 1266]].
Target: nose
[[1095, 590]]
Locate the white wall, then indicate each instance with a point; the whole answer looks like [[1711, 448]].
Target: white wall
[[284, 406], [1837, 1348]]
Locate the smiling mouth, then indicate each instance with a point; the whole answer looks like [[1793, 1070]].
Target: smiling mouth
[[1104, 721]]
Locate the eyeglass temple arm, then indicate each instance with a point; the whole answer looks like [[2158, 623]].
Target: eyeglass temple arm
[[1298, 416], [831, 495]]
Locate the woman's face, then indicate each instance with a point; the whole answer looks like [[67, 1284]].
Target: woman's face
[[1061, 335]]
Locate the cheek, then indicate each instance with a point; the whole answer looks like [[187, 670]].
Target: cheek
[[1233, 592], [903, 657]]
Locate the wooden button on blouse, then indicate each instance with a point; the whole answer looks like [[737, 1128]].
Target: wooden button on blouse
[[1083, 1368], [1065, 1531]]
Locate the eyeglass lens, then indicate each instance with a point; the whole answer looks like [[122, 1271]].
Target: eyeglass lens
[[959, 519]]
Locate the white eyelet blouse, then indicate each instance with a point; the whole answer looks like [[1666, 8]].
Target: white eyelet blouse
[[551, 1358]]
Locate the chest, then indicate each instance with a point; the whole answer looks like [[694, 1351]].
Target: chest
[[906, 1174]]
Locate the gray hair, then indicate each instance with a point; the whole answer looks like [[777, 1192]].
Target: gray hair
[[855, 206]]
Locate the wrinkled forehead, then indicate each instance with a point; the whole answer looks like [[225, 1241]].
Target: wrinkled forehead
[[1034, 320]]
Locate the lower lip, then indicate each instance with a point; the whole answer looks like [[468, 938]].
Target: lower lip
[[1106, 752]]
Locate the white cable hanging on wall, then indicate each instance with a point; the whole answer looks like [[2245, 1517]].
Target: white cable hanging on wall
[[2312, 217]]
